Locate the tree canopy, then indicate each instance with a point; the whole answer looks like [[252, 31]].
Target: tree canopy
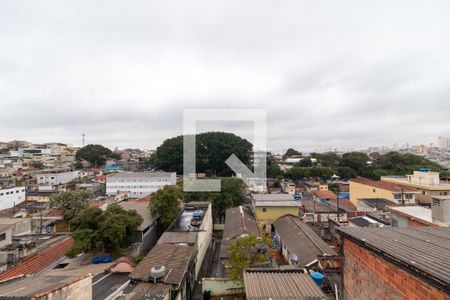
[[212, 150], [70, 202], [245, 252], [108, 231], [166, 203], [291, 152], [95, 154]]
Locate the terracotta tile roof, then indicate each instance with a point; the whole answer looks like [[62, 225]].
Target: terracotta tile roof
[[381, 184], [40, 261], [325, 194]]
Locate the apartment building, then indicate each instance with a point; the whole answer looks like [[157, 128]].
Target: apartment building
[[52, 177], [139, 184], [426, 183], [364, 188], [11, 196]]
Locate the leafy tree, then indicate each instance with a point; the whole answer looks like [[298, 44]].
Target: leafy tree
[[95, 154], [298, 173], [166, 203], [321, 172], [245, 253], [328, 159], [70, 202], [108, 231], [232, 194], [305, 162], [346, 172], [356, 161], [212, 150], [291, 152]]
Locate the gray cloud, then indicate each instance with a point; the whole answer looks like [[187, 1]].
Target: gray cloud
[[330, 74]]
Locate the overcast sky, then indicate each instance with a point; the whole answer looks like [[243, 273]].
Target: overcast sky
[[345, 74]]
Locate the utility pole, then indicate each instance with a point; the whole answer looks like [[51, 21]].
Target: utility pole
[[82, 139]]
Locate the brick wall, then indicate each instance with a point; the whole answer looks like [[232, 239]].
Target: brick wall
[[367, 276]]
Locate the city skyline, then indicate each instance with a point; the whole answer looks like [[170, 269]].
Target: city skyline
[[123, 76]]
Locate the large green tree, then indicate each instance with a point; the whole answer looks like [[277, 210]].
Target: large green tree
[[245, 253], [291, 152], [70, 202], [166, 204], [95, 154], [212, 150], [108, 231]]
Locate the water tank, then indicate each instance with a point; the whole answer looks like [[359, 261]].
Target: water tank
[[158, 272], [317, 277], [197, 215]]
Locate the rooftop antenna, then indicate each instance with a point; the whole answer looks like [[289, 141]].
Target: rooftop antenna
[[82, 139]]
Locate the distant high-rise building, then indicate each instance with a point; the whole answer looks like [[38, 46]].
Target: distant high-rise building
[[443, 142]]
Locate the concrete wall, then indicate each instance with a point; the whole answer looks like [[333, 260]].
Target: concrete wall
[[8, 237], [359, 191], [79, 290], [221, 286], [367, 276], [273, 213], [204, 238], [11, 197]]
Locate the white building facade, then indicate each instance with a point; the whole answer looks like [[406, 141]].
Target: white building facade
[[139, 184], [12, 196], [55, 177]]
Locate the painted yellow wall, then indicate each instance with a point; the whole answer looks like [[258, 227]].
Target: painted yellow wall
[[273, 213], [358, 191]]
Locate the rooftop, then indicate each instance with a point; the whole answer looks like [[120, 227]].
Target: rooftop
[[141, 175], [275, 200], [301, 240], [238, 220], [141, 207], [40, 261], [178, 237], [276, 284], [31, 287], [424, 251], [378, 203], [325, 194], [381, 185], [148, 291], [175, 258], [413, 211], [364, 221]]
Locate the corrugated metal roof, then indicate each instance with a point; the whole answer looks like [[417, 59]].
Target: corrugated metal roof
[[177, 237], [28, 287], [278, 284], [301, 240], [149, 291], [426, 249], [175, 258], [236, 224]]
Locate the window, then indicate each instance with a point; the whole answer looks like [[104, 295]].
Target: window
[[2, 236], [397, 196], [264, 209], [445, 193], [374, 190], [408, 196]]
